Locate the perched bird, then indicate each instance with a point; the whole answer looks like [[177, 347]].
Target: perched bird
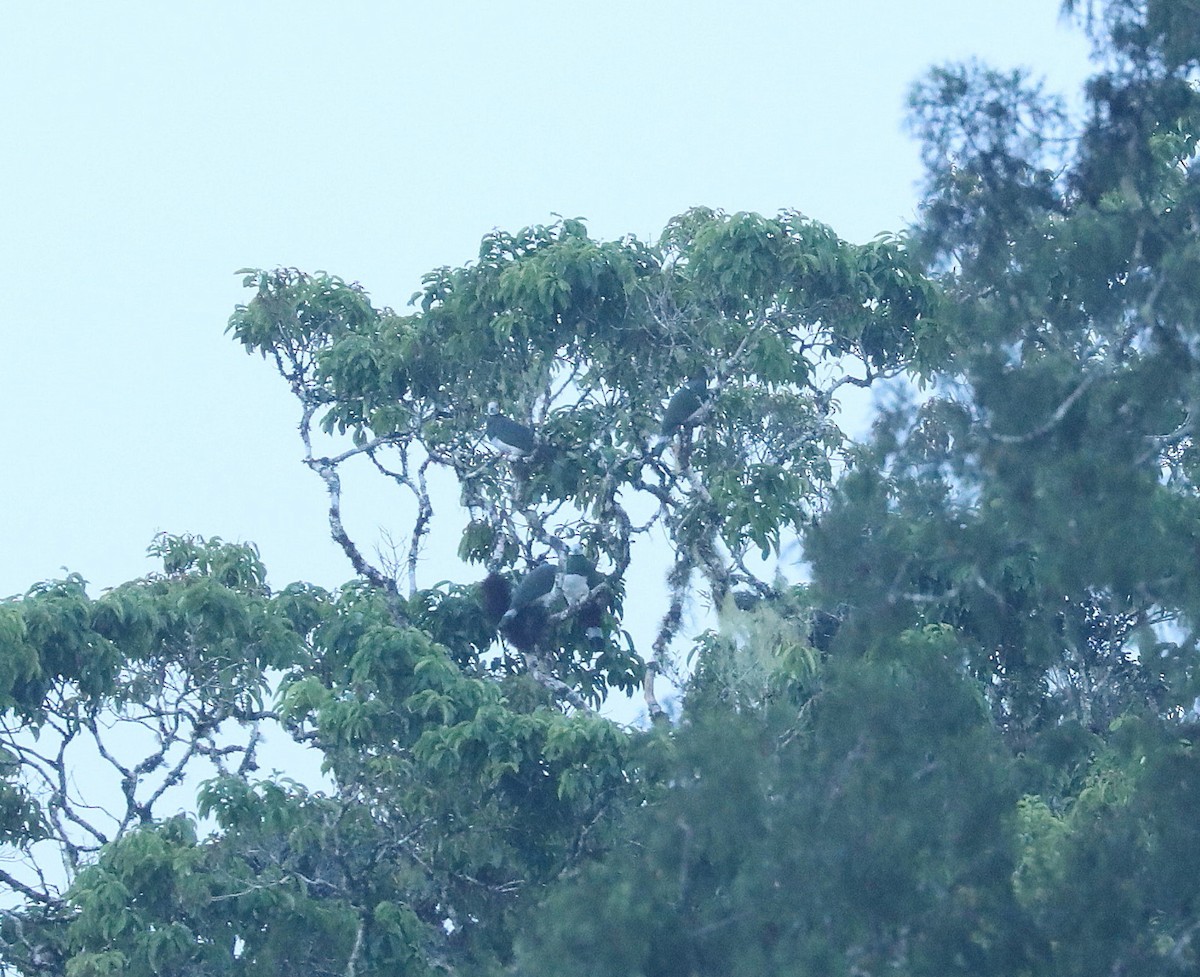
[[823, 629], [680, 408], [579, 576], [509, 438], [528, 614], [524, 623], [746, 600], [535, 588], [687, 400]]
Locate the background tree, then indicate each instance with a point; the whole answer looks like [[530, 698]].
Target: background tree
[[1043, 504], [860, 830], [1047, 494]]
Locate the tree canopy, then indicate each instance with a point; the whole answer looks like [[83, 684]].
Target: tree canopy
[[958, 734]]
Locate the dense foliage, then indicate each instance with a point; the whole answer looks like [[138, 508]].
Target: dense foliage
[[968, 743]]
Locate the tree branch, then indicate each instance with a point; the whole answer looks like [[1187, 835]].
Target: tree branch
[[333, 487], [1055, 418]]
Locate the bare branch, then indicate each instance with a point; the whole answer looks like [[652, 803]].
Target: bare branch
[[422, 526], [1059, 413], [29, 892], [333, 487]]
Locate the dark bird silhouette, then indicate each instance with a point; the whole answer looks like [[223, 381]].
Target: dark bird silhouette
[[681, 408], [536, 587], [511, 439], [524, 623], [823, 629]]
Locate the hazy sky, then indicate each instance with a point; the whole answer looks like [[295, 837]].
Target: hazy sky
[[154, 148]]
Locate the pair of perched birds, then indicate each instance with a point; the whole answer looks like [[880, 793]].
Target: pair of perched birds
[[526, 608], [517, 442], [574, 581]]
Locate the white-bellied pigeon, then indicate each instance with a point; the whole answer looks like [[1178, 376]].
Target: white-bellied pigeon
[[579, 576]]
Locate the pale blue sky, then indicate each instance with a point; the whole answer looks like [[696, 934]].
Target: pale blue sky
[[153, 148]]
